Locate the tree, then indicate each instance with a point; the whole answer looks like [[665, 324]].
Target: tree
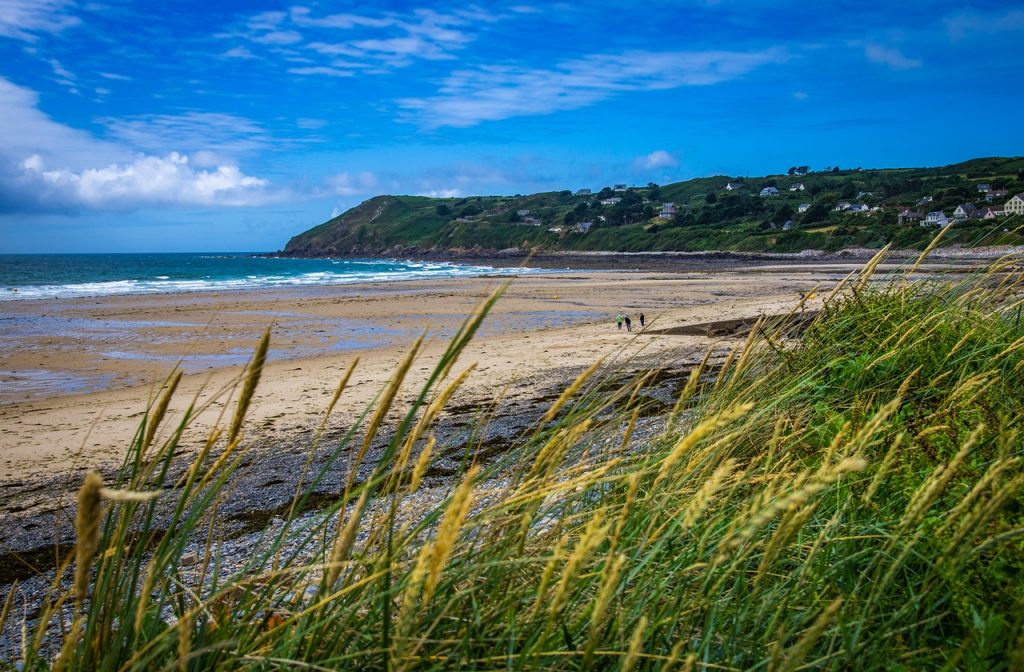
[[443, 210], [792, 171], [815, 213], [711, 198], [835, 169], [849, 190]]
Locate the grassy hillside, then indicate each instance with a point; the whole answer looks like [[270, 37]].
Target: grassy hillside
[[851, 501], [708, 216]]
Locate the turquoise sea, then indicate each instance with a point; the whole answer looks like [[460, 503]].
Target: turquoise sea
[[36, 276]]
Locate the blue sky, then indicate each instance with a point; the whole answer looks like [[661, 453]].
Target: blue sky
[[196, 126]]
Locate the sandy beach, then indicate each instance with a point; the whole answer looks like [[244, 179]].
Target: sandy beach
[[96, 361]]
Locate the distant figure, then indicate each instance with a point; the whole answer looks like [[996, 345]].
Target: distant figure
[[618, 321], [641, 320], [629, 324]]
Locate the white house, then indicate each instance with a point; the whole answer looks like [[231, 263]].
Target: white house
[[799, 186], [522, 213], [842, 206], [965, 211], [615, 200], [936, 218], [859, 208], [992, 213], [584, 227], [732, 186], [619, 187], [804, 207], [668, 211], [769, 191], [984, 188], [1015, 206], [926, 200]]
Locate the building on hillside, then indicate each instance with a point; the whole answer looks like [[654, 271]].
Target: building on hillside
[[555, 229], [1014, 206], [965, 211], [992, 213], [523, 212], [860, 208], [668, 211], [619, 187], [732, 186], [769, 191], [936, 218], [787, 225], [995, 195], [804, 207], [583, 192], [615, 200], [583, 227], [926, 200], [984, 188], [842, 206], [908, 217], [799, 186]]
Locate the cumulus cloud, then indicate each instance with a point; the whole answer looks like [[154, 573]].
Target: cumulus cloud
[[496, 92], [146, 181], [46, 166], [25, 19], [890, 56], [659, 158]]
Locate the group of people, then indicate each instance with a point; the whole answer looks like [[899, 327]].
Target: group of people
[[620, 319]]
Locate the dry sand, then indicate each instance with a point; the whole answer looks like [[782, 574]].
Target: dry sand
[[120, 349]]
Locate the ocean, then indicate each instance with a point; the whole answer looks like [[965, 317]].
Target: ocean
[[38, 276]]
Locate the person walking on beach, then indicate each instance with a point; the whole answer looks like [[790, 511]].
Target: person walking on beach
[[618, 321], [641, 320], [629, 324]]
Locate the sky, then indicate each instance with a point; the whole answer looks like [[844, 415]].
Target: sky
[[232, 126]]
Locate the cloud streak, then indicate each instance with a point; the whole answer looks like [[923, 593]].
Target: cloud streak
[[890, 56], [492, 93], [26, 19]]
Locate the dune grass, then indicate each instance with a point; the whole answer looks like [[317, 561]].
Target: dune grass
[[851, 499]]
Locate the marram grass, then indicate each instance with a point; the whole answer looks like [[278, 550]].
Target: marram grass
[[848, 500]]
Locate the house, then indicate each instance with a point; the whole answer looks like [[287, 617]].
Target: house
[[842, 206], [615, 200], [984, 188], [668, 211], [936, 218], [908, 216], [583, 192], [965, 211], [769, 191], [522, 213], [995, 195], [788, 225], [859, 208], [732, 186], [799, 186], [555, 229], [619, 187], [804, 207], [583, 227], [926, 200], [992, 213], [1015, 206]]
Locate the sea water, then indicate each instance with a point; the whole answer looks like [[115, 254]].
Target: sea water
[[38, 276]]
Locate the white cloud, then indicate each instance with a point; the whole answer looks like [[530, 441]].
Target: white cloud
[[224, 134], [970, 22], [279, 37], [890, 56], [800, 95], [659, 158], [302, 16], [310, 124], [491, 93], [147, 181], [24, 19], [442, 193], [64, 76], [238, 52], [347, 184], [114, 76], [47, 166], [321, 70]]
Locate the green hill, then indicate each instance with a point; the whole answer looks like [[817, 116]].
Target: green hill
[[707, 216]]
